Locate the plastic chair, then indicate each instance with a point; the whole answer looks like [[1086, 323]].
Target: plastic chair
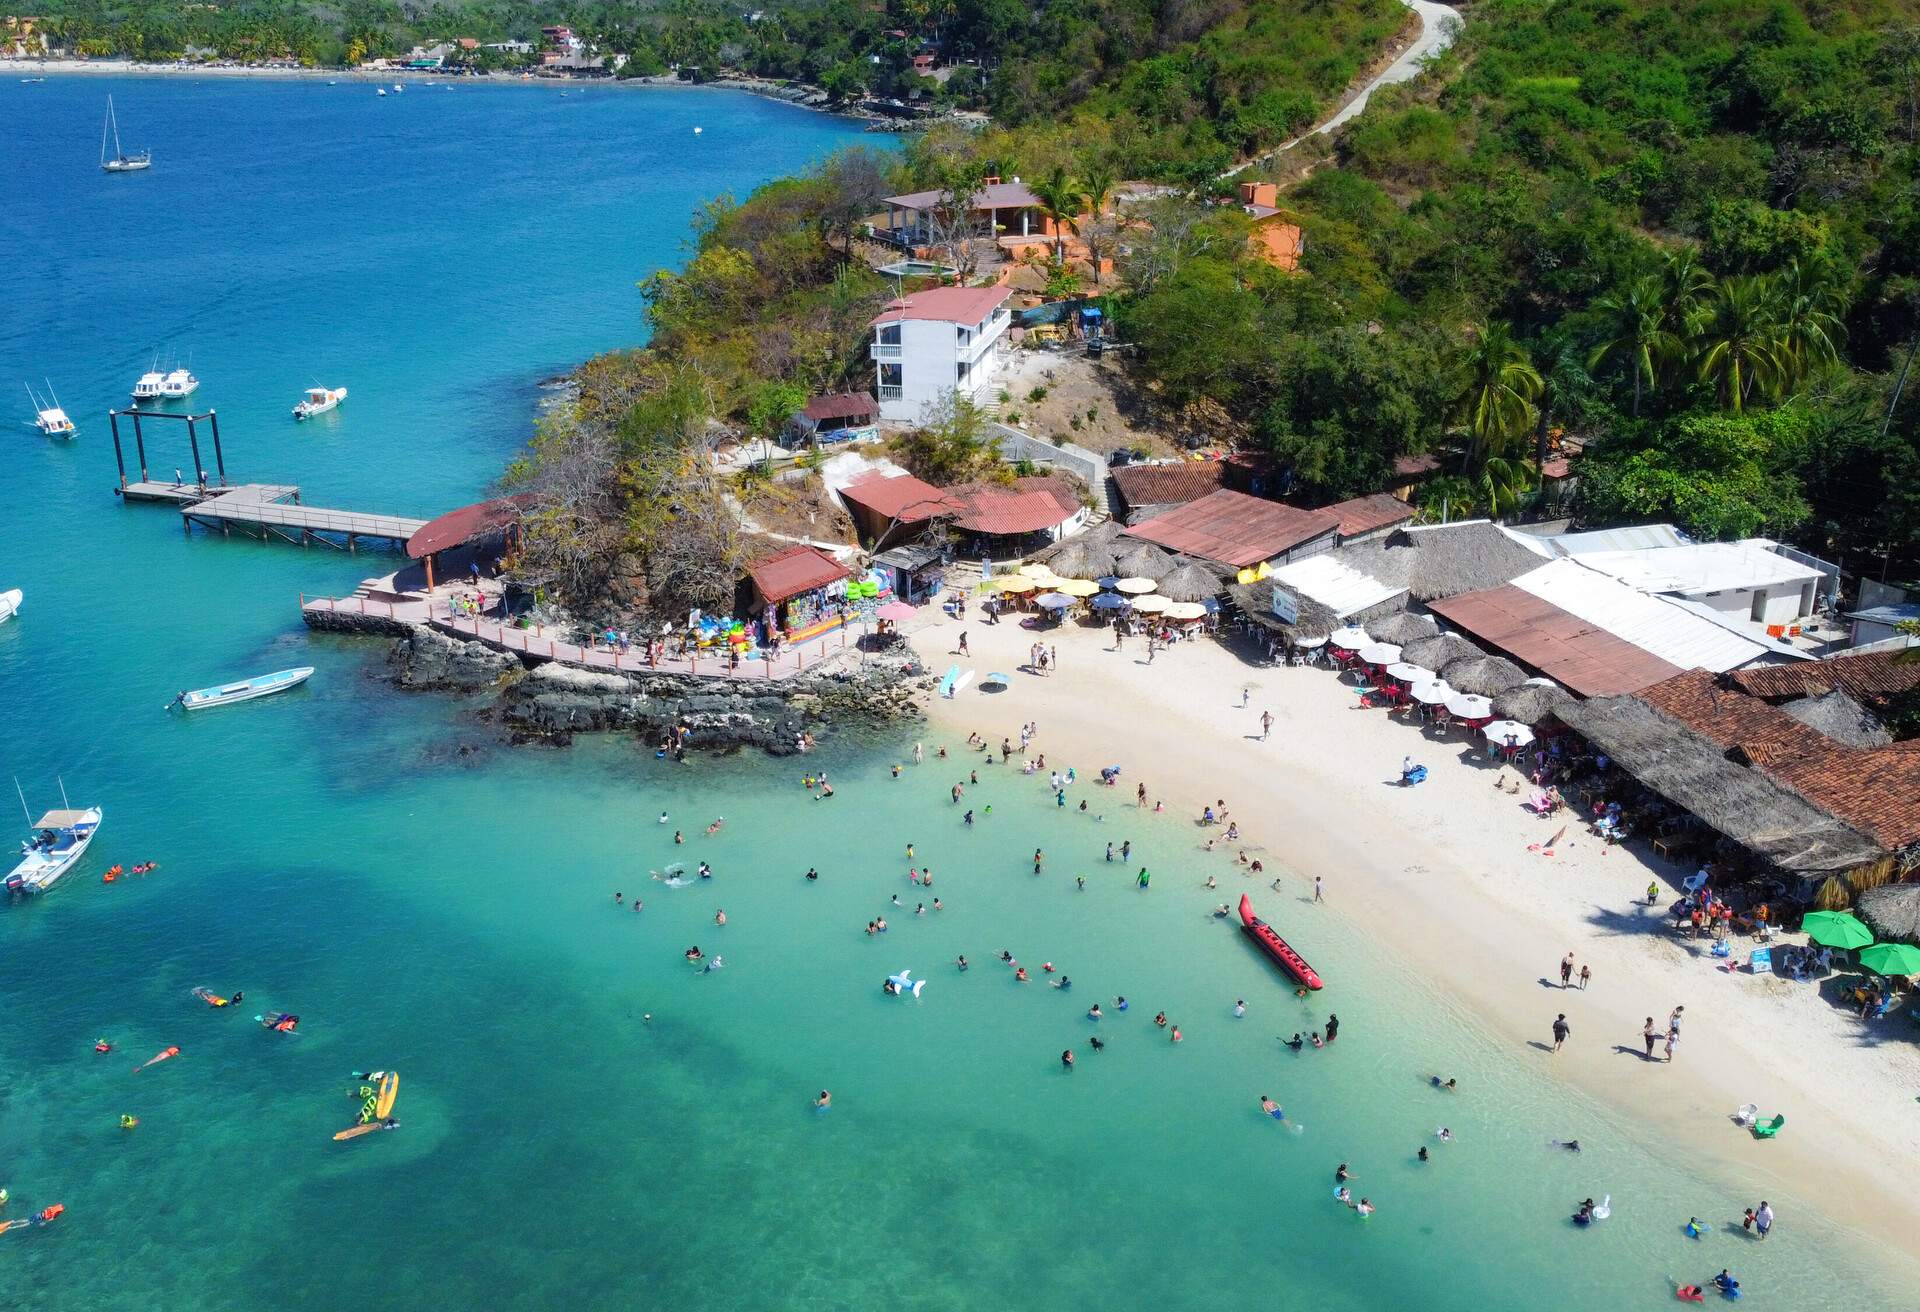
[[1767, 1129], [1748, 1113]]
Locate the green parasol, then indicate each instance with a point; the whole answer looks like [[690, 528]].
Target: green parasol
[[1836, 929], [1891, 959]]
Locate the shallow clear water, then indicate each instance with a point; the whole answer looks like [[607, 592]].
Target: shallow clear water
[[431, 901]]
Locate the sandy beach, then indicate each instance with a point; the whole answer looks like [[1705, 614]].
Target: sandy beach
[[1443, 876]]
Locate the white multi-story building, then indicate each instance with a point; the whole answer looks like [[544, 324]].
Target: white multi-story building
[[930, 343]]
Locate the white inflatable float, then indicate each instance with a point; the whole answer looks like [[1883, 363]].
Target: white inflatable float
[[904, 983]]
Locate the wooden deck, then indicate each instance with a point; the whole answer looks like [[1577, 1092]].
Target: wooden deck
[[272, 511], [173, 494]]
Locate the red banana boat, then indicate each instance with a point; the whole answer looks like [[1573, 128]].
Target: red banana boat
[[1274, 946]]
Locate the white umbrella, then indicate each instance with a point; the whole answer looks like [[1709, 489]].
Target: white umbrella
[[1406, 673], [1380, 653], [1135, 585], [1351, 638], [1507, 733], [1150, 605], [1308, 644], [1180, 610], [1432, 691], [1469, 706]]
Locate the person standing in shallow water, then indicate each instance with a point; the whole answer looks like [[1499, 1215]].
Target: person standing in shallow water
[[1560, 1030]]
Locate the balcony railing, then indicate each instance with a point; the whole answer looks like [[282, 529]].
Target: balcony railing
[[886, 350], [891, 393]]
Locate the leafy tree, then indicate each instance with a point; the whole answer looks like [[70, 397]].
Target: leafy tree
[[1715, 475], [954, 442]]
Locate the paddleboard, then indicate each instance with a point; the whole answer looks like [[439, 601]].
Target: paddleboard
[[962, 681], [389, 1090], [354, 1132], [946, 684]]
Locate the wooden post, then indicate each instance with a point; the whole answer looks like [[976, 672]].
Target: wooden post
[[199, 470], [113, 418], [429, 571], [219, 460]]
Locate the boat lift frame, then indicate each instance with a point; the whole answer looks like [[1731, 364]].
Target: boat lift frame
[[211, 418]]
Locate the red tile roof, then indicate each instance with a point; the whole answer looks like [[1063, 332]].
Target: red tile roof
[[1365, 514], [795, 570], [1235, 529], [1030, 505], [899, 496], [1169, 485], [1876, 789], [965, 305], [840, 405], [1561, 645], [1866, 676]]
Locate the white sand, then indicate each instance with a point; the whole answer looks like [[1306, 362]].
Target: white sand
[[1441, 873]]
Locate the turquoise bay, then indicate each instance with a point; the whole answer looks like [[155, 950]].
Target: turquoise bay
[[430, 900]]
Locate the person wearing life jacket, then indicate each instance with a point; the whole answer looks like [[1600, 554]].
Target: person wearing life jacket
[[101, 1045]]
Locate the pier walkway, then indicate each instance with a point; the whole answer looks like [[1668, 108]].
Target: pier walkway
[[271, 511]]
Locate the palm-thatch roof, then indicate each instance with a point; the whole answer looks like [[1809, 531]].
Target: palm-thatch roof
[[1401, 628], [1531, 703], [1102, 534], [1080, 558], [1485, 675], [1189, 582], [1891, 911], [1692, 771], [1143, 560], [1840, 718], [1439, 652], [1443, 560], [1255, 600]]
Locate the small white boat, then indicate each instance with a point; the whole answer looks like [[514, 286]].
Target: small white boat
[[58, 841], [120, 161], [379, 91], [48, 417], [179, 383], [318, 401], [243, 691], [397, 88], [148, 388], [10, 603]]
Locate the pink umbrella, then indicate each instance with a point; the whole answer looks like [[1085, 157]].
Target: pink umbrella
[[897, 610]]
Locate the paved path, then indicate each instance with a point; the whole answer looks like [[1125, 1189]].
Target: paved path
[[1438, 26]]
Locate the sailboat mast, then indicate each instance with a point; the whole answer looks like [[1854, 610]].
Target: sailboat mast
[[118, 151], [23, 801], [103, 131]]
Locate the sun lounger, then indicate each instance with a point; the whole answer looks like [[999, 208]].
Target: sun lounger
[[1767, 1129]]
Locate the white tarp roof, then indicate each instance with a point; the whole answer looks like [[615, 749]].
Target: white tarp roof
[[1698, 569], [1334, 584], [1650, 623]]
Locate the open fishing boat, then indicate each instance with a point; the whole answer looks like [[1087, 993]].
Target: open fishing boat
[[10, 603], [318, 401], [245, 690], [59, 840], [1274, 946]]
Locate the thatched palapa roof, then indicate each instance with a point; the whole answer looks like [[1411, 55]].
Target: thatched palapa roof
[[1891, 911], [1189, 582], [1692, 771], [1080, 558], [1840, 718], [1317, 620], [1439, 652], [1443, 560], [1485, 675], [1143, 560], [1531, 703], [1401, 628]]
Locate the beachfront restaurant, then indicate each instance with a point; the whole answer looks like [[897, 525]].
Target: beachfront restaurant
[[798, 592]]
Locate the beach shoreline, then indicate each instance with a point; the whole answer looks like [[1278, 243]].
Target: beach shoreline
[[1442, 876]]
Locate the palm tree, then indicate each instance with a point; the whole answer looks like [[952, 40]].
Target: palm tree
[[1739, 341], [1101, 233], [1501, 482], [1685, 289], [1810, 304], [1637, 333], [1565, 386], [1097, 188], [1496, 404], [1060, 200]]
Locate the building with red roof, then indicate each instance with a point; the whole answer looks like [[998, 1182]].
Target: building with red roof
[[1231, 528]]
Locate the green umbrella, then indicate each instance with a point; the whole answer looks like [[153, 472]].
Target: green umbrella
[[1836, 929], [1891, 959]]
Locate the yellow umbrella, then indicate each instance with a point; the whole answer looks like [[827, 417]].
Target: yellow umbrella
[[1151, 605], [1181, 610], [1136, 585], [1037, 571], [1016, 583], [1077, 587]]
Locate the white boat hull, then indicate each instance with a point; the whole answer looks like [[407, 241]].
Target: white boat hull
[[245, 690], [10, 603], [40, 869]]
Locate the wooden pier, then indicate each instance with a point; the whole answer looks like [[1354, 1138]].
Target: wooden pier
[[271, 511]]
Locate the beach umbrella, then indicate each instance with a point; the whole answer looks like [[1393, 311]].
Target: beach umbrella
[[994, 680], [1135, 585], [1145, 560], [1185, 610], [1037, 571], [1440, 652], [1108, 580], [1507, 733], [896, 610], [1190, 583], [1401, 627], [1351, 638], [1017, 583], [1836, 929], [1109, 601], [1150, 605], [1531, 702], [1308, 644], [1379, 653], [1891, 959], [1076, 587], [1485, 675], [1406, 673], [1053, 600], [1432, 692], [1468, 706]]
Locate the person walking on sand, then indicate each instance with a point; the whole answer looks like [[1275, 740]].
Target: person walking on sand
[[1246, 695], [1560, 1030], [1650, 1036], [1316, 889], [1673, 1037], [1566, 970], [1266, 724], [1585, 975], [962, 649]]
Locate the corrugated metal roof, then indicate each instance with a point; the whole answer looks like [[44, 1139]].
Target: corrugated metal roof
[[1860, 674], [1331, 582], [795, 570], [1700, 568], [1365, 514], [1581, 655], [1635, 538], [962, 305], [1669, 632], [898, 496], [1234, 528], [1169, 484]]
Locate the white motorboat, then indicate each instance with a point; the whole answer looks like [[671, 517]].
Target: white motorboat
[[380, 91], [179, 383], [148, 388], [245, 690], [318, 401], [120, 161], [58, 841], [10, 603], [48, 417]]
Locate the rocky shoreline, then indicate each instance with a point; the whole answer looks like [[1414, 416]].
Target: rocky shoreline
[[546, 702]]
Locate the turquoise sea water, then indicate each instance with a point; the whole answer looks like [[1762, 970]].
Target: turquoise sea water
[[432, 901]]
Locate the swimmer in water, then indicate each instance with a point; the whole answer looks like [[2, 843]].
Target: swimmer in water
[[1443, 1134], [1364, 1207], [1099, 1044], [1342, 1195], [961, 962], [1435, 1081], [937, 905], [1093, 1012], [706, 871], [824, 1101], [1175, 1036], [1272, 1108], [1120, 1004], [1239, 1008], [1341, 1174], [812, 874], [1006, 956], [616, 898], [1066, 1059], [1296, 1042], [1315, 1040], [1081, 880], [1160, 1019], [1020, 973], [1571, 1145], [693, 953], [1422, 1153], [663, 817]]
